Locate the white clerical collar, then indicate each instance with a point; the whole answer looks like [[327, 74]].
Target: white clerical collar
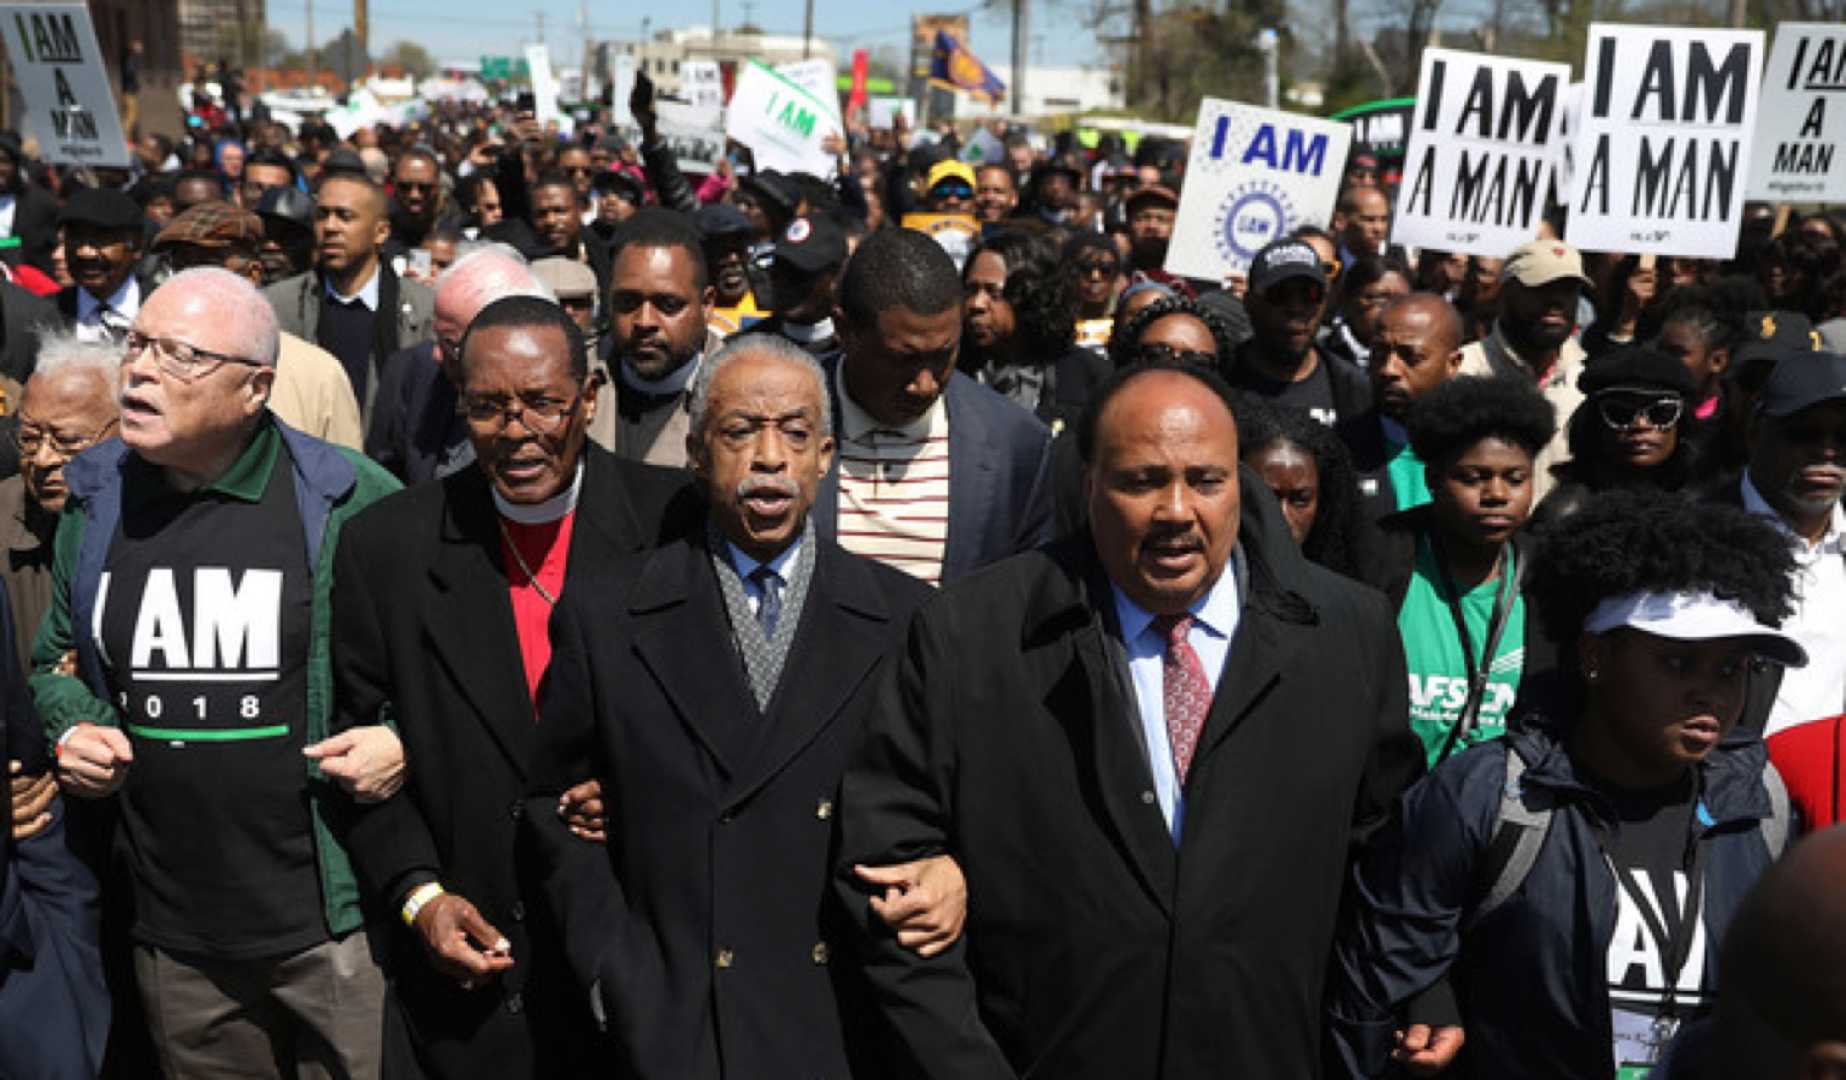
[[805, 334], [673, 382], [367, 294], [543, 513]]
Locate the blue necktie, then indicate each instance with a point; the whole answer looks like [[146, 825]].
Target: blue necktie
[[769, 607]]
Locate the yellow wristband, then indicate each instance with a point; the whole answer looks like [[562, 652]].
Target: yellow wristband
[[419, 896]]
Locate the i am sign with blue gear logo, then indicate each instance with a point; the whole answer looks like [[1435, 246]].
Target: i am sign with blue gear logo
[[1255, 214]]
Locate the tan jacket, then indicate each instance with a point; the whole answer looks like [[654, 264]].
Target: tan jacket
[[313, 395], [1493, 355]]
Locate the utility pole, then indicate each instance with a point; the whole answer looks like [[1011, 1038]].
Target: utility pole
[[1740, 12], [313, 73], [1267, 43], [1022, 20], [807, 31], [362, 30]]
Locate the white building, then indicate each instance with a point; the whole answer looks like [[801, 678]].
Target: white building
[[1054, 90], [660, 57]]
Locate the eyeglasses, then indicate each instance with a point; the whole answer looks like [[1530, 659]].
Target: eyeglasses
[[1106, 269], [540, 413], [415, 185], [1156, 352], [1622, 413], [178, 359], [952, 191], [30, 440]]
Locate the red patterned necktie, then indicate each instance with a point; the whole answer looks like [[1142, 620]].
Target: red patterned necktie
[[1185, 691]]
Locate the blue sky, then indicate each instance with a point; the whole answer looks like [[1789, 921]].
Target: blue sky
[[467, 29]]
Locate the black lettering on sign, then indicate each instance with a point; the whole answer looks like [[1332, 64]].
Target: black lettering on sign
[[1810, 159], [1438, 70], [1663, 190], [53, 40], [67, 99], [1484, 192], [1422, 183], [1816, 121], [1597, 185]]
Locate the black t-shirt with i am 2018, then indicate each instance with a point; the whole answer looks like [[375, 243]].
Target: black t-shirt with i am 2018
[[204, 615]]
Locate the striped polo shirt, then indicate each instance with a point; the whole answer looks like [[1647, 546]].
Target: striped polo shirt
[[894, 489]]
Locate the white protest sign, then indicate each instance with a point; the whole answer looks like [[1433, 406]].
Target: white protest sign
[[64, 85], [816, 76], [1803, 117], [782, 122], [622, 87], [1477, 167], [1563, 152], [544, 86], [695, 133], [1253, 175], [702, 84], [886, 110], [983, 146], [1663, 151]]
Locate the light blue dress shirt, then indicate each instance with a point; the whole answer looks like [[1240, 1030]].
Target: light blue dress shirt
[[1214, 621], [746, 566]]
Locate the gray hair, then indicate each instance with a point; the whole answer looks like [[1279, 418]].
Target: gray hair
[[756, 345], [62, 351], [259, 339]]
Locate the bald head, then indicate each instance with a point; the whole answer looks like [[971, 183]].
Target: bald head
[[478, 278], [227, 312], [1429, 315]]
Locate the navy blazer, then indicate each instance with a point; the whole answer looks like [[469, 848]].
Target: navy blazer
[[999, 478]]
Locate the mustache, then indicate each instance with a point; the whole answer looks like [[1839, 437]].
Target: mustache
[[775, 485]]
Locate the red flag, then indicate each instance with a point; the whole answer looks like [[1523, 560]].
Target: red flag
[[861, 61]]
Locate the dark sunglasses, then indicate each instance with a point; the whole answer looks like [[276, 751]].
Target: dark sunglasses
[[1167, 354], [956, 190], [1621, 413], [1106, 269]]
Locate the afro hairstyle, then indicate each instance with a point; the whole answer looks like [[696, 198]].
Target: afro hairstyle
[[1461, 412], [1635, 540]]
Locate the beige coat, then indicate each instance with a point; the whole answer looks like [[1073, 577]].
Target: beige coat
[[313, 395]]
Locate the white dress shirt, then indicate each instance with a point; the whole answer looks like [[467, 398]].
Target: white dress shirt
[[1819, 689], [367, 294], [125, 301], [1214, 622]]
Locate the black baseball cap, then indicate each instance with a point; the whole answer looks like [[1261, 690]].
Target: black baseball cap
[[721, 219], [1282, 261], [619, 181], [1803, 379], [774, 188], [811, 244], [103, 208]]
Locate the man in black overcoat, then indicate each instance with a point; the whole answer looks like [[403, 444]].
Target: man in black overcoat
[[1152, 748], [714, 688], [441, 597]]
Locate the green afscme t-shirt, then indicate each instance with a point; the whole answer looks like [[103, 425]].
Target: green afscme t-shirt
[[1433, 651], [1408, 479]]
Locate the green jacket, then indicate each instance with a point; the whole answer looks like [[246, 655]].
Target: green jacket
[[331, 485]]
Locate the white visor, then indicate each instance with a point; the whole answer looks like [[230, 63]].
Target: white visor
[[1694, 617]]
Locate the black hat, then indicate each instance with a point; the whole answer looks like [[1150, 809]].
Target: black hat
[[287, 204], [619, 181], [721, 219], [774, 188], [812, 244], [1636, 367], [1283, 260], [343, 161], [1801, 379], [104, 208]]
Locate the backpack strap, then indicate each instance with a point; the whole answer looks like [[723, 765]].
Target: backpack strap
[[1775, 826], [1519, 833]]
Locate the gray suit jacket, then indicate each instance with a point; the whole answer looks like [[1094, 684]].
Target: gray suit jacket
[[297, 303]]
